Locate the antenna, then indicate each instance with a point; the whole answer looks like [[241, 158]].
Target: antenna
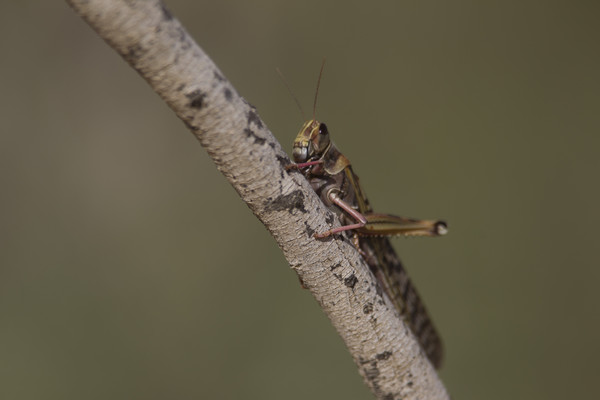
[[317, 91], [291, 93]]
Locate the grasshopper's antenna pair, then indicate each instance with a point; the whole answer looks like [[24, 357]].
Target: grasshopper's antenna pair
[[296, 99]]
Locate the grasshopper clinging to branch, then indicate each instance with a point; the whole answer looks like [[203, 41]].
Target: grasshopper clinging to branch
[[331, 176]]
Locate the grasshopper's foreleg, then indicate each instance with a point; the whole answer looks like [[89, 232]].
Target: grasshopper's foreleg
[[334, 197], [302, 165]]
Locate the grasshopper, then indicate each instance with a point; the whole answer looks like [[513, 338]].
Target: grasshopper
[[331, 176]]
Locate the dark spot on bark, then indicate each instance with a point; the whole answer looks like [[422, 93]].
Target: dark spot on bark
[[253, 118], [182, 37], [336, 266], [257, 139], [191, 127], [218, 76], [372, 373], [197, 99], [330, 218], [302, 284], [166, 13], [368, 308], [248, 104], [289, 202], [272, 145], [134, 52], [383, 356], [228, 94], [379, 291], [283, 161], [180, 87], [351, 281], [410, 383], [338, 277], [309, 231]]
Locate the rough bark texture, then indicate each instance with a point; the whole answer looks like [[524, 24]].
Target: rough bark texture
[[155, 44]]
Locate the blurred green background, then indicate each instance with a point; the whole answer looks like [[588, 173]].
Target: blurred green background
[[130, 269]]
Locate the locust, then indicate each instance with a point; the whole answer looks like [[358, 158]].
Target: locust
[[331, 176]]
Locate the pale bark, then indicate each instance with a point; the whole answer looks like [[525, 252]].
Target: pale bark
[[155, 44]]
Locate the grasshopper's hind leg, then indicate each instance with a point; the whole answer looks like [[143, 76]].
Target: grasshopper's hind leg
[[334, 197]]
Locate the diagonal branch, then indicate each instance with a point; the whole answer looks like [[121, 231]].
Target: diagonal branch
[[155, 44]]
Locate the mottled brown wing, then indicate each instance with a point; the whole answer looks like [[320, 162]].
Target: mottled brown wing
[[388, 269], [390, 273]]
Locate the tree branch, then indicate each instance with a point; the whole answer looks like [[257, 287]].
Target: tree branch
[[155, 44]]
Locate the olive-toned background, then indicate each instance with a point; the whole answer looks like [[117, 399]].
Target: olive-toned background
[[129, 268]]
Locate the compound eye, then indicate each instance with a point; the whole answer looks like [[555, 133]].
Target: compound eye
[[323, 129]]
